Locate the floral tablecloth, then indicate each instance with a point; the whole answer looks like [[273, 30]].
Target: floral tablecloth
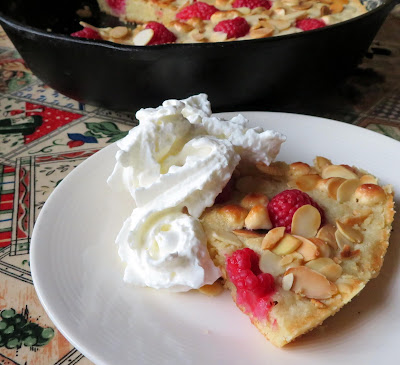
[[44, 135]]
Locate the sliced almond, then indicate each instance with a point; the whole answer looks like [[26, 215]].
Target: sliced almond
[[307, 249], [248, 234], [212, 290], [288, 259], [323, 247], [223, 236], [300, 14], [307, 182], [262, 33], [181, 26], [234, 215], [258, 218], [368, 179], [341, 240], [338, 171], [299, 169], [252, 199], [218, 37], [143, 37], [287, 281], [311, 284], [346, 190], [279, 12], [119, 32], [352, 234], [333, 185], [286, 245], [326, 267], [306, 221], [321, 162], [272, 238], [327, 234], [270, 263], [279, 23]]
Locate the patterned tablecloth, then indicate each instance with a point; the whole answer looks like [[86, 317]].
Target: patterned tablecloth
[[44, 135]]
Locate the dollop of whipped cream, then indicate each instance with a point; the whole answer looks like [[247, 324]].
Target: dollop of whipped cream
[[174, 164]]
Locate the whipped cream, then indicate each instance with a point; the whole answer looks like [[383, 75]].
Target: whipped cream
[[174, 164]]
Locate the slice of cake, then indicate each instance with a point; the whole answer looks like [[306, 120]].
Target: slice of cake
[[182, 21], [295, 243]]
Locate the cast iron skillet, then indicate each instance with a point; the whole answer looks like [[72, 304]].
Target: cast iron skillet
[[271, 71]]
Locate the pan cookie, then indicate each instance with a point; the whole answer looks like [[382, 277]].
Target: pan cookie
[[219, 20], [296, 242]]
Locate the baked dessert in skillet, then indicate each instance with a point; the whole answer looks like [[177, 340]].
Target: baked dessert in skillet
[[295, 243], [180, 21]]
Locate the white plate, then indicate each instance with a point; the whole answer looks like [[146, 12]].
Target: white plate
[[77, 273]]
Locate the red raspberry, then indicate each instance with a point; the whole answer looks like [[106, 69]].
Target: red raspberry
[[88, 33], [234, 28], [252, 4], [161, 34], [282, 207], [253, 286], [310, 24], [118, 6], [197, 10]]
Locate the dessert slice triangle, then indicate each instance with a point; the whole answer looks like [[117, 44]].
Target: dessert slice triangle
[[295, 243]]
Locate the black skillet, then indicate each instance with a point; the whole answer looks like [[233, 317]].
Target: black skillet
[[235, 75]]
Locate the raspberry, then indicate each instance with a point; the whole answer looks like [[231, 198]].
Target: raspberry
[[88, 33], [282, 207], [253, 286], [310, 24], [161, 34], [197, 10], [118, 6], [234, 28], [252, 4]]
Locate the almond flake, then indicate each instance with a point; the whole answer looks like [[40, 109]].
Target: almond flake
[[338, 171], [327, 234], [311, 284], [286, 245], [143, 37], [353, 235], [306, 221], [368, 179], [326, 267], [346, 190], [307, 182], [287, 281], [270, 263], [333, 185], [307, 249], [272, 238], [321, 162]]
